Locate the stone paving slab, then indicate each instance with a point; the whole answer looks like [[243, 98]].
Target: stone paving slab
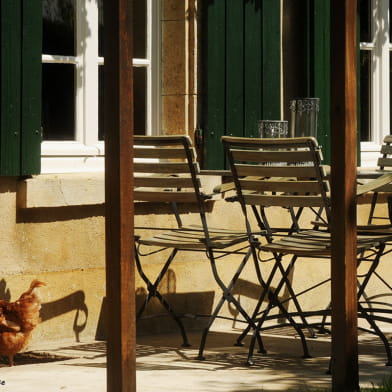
[[164, 366]]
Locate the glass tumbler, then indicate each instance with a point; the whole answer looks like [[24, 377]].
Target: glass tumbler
[[273, 128]]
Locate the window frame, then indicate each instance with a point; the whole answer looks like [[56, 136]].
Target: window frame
[[86, 152], [380, 94]]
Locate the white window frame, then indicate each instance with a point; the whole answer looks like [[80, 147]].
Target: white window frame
[[86, 152], [380, 48]]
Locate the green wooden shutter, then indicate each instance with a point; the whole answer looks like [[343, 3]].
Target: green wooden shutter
[[20, 87], [215, 73], [31, 87], [10, 87], [319, 68], [241, 71], [319, 78]]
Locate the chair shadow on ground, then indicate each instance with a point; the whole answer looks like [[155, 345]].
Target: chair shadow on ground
[[161, 353]]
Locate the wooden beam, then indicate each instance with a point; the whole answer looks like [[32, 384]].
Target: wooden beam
[[343, 178], [120, 291]]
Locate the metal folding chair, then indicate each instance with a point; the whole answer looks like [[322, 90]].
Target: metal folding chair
[[289, 173], [166, 171]]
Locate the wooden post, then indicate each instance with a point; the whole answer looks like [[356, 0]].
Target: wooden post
[[343, 184], [121, 341]]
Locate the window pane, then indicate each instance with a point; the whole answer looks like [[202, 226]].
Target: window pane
[[390, 21], [365, 95], [100, 28], [139, 93], [58, 101], [390, 93], [58, 27], [365, 13], [139, 88], [139, 29], [101, 108]]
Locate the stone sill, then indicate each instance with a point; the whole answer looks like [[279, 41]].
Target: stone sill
[[73, 189], [61, 190]]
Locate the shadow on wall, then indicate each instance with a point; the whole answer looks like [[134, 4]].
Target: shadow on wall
[[74, 301], [55, 214], [49, 310], [193, 307]]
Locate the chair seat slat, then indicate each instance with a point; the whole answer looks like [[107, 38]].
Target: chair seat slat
[[191, 239]]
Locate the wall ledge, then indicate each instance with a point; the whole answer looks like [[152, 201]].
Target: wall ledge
[[74, 189], [61, 190]]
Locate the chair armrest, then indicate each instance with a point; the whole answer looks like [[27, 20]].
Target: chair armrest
[[375, 184]]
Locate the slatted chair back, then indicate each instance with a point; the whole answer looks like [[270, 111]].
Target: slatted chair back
[[166, 170], [278, 172], [384, 164], [385, 160]]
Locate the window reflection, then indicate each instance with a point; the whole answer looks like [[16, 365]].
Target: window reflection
[[101, 133], [100, 28], [365, 80], [58, 93], [139, 73], [365, 23], [58, 27], [390, 93], [140, 100], [139, 29]]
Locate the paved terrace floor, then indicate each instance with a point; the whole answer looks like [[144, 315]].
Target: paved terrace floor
[[162, 365]]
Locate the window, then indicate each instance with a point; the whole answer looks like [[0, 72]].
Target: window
[[72, 81], [375, 81]]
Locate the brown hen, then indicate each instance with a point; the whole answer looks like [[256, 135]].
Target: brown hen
[[17, 321]]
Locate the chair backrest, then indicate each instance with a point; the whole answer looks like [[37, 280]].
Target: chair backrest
[[283, 172], [385, 160], [166, 170]]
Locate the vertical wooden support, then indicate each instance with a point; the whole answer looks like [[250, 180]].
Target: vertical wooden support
[[343, 183], [121, 342]]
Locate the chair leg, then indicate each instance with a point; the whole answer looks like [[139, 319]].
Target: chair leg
[[368, 314], [378, 332], [265, 285], [226, 297], [284, 281], [153, 292], [275, 302], [372, 207]]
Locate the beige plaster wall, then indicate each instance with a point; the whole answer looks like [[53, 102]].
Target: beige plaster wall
[[52, 226], [61, 244], [59, 238]]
